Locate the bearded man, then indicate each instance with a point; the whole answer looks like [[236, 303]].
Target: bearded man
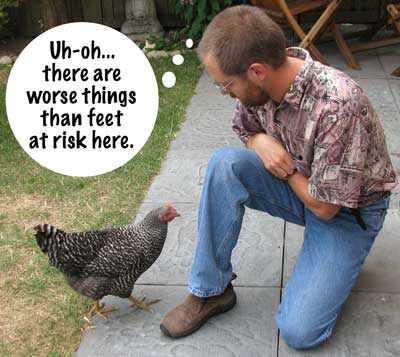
[[315, 155]]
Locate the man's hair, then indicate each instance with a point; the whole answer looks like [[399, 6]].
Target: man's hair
[[242, 35]]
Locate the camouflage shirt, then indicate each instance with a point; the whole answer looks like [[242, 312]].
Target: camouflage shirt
[[330, 129]]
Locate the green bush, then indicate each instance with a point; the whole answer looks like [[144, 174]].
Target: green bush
[[198, 13], [170, 41], [5, 6]]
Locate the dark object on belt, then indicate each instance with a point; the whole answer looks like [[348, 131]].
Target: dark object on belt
[[359, 219]]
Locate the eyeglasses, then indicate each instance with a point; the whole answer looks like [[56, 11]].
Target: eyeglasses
[[223, 89]]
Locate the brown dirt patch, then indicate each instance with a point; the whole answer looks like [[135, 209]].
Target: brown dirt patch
[[29, 210]]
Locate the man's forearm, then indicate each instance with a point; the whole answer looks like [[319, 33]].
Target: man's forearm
[[299, 184], [250, 142], [277, 160]]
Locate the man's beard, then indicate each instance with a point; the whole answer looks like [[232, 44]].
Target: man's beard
[[256, 96], [259, 100]]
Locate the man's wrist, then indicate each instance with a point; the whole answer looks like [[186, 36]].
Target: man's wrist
[[292, 174], [250, 141]]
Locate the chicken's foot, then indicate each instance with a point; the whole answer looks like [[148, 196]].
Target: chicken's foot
[[140, 304], [99, 310]]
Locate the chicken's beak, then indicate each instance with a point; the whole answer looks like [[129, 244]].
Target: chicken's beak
[[176, 214]]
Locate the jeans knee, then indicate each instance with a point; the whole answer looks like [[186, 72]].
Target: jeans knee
[[228, 158], [223, 155], [295, 337], [300, 335]]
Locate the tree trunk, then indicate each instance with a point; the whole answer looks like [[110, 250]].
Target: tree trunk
[[52, 13]]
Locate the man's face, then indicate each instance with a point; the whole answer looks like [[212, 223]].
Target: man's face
[[247, 91]]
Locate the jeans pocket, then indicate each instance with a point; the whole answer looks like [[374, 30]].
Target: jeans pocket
[[374, 214], [374, 219]]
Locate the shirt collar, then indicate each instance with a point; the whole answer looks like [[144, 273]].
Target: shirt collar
[[296, 90]]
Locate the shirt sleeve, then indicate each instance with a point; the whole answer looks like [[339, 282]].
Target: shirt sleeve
[[245, 122], [340, 153]]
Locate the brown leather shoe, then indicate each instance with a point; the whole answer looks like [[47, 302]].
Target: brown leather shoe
[[194, 311]]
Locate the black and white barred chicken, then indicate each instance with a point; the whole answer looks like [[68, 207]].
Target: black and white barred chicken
[[107, 261]]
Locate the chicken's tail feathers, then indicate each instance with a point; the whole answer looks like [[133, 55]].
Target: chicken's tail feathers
[[44, 234]]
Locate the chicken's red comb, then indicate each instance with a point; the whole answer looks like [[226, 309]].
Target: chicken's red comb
[[169, 206]]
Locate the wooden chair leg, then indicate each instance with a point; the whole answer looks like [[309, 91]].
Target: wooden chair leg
[[325, 18], [299, 32], [344, 49], [394, 12], [317, 55], [357, 47], [396, 72]]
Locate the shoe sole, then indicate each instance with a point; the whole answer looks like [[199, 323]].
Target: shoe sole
[[218, 310]]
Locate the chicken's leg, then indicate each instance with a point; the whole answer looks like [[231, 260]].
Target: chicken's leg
[[99, 310], [140, 304]]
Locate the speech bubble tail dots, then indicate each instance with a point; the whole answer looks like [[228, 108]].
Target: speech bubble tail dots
[[178, 60], [169, 79], [189, 43]]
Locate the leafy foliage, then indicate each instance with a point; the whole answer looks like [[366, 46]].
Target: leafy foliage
[[198, 13], [170, 41], [5, 6]]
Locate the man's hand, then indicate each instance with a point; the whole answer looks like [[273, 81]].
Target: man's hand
[[278, 161], [272, 153]]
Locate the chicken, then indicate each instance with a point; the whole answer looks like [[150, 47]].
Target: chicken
[[107, 261]]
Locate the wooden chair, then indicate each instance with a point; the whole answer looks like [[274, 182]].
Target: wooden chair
[[391, 18], [289, 9], [394, 12]]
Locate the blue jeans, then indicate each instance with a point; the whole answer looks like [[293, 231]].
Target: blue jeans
[[330, 259]]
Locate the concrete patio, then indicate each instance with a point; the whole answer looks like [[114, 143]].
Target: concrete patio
[[266, 251]]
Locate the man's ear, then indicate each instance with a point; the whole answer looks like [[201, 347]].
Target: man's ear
[[257, 71]]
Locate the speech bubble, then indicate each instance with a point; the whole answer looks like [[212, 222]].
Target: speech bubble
[[82, 99]]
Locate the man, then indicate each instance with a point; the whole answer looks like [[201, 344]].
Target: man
[[315, 155]]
